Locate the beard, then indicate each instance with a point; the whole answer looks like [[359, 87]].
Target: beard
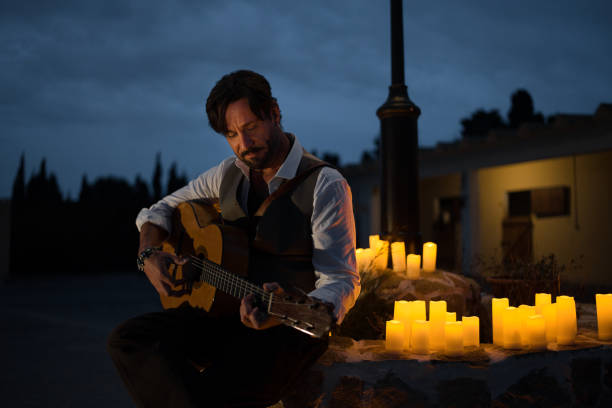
[[272, 150]]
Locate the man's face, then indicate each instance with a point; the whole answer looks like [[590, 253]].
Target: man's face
[[253, 140]]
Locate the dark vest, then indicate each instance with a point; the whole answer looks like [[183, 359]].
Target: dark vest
[[281, 239]]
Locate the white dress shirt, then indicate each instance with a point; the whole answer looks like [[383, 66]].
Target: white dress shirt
[[333, 224]]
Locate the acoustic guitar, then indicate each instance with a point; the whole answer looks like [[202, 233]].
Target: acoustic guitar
[[214, 278]]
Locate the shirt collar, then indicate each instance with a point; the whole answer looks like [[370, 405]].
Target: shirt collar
[[289, 167]]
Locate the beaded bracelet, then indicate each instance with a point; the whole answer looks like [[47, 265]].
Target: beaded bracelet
[[144, 254]]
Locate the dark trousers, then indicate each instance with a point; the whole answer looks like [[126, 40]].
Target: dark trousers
[[157, 354]]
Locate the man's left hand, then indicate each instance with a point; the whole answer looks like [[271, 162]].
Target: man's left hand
[[252, 316]]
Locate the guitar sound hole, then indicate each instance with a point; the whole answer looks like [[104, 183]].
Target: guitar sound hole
[[190, 272]]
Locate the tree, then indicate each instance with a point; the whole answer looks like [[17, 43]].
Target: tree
[[42, 189], [174, 180], [85, 193], [480, 123], [142, 192], [157, 174], [19, 183], [331, 158], [521, 110]]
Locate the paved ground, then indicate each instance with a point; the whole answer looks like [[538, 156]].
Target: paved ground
[[53, 339]]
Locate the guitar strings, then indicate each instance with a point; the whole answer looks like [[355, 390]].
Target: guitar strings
[[222, 276]]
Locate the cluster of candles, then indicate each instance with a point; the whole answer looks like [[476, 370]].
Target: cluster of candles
[[377, 256], [523, 327], [411, 331], [533, 327]]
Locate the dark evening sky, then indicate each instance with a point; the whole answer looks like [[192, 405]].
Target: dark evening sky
[[98, 87]]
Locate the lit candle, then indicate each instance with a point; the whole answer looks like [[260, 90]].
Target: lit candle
[[401, 313], [536, 332], [413, 266], [541, 299], [419, 340], [566, 320], [497, 315], [374, 241], [453, 338], [524, 312], [381, 255], [359, 254], [429, 256], [471, 331], [451, 316], [395, 335], [437, 320], [417, 310], [550, 316], [398, 257], [604, 316], [512, 336]]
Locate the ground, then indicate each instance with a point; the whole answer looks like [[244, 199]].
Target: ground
[[53, 339]]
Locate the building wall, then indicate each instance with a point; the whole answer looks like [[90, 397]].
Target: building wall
[[583, 233], [432, 189]]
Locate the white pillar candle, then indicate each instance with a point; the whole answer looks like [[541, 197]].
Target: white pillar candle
[[471, 331], [381, 255], [395, 335], [498, 306], [419, 340], [512, 336], [541, 299], [524, 312], [536, 332], [400, 310], [359, 255], [401, 313], [451, 316], [604, 316], [550, 316], [429, 256], [413, 266], [567, 327], [398, 257], [417, 310], [374, 241], [437, 320], [453, 339]]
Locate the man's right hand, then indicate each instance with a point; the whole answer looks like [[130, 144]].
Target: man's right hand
[[156, 268]]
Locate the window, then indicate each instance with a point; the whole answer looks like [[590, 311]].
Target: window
[[543, 202], [519, 203], [551, 202]]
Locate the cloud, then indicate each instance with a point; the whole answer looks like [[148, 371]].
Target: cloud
[[91, 76]]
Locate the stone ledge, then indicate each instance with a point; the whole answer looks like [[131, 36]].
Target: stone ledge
[[363, 374]]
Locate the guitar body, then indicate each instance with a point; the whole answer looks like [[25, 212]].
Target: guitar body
[[219, 259], [197, 231]]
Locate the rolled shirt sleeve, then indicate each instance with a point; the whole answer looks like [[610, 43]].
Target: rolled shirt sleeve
[[333, 234], [204, 186]]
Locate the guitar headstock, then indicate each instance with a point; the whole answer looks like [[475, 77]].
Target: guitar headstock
[[303, 313]]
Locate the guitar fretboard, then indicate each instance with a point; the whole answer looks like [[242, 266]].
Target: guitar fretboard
[[227, 282]]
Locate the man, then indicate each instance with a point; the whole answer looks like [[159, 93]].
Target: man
[[304, 239]]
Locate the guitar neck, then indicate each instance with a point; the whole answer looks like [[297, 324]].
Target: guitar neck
[[227, 282]]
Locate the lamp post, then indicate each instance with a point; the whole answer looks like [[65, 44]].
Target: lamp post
[[399, 188]]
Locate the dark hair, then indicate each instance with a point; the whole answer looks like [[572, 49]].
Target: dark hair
[[235, 86]]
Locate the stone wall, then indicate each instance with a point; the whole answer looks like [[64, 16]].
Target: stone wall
[[363, 374]]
